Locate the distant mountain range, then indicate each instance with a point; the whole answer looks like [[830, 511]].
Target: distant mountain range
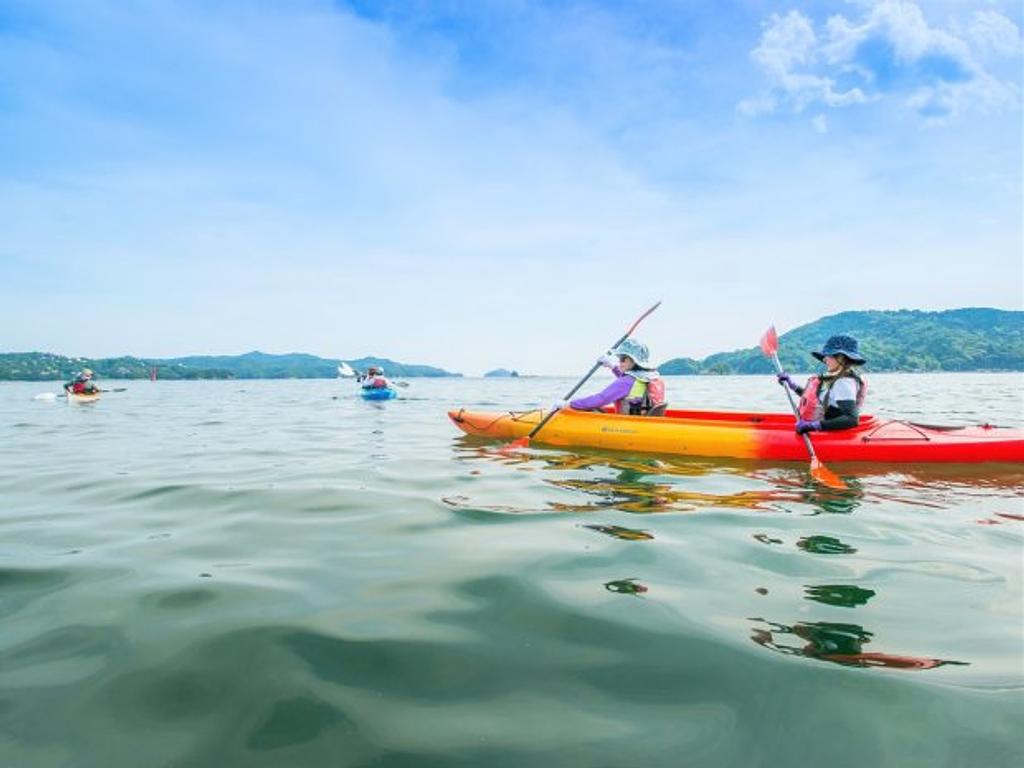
[[42, 366], [904, 340]]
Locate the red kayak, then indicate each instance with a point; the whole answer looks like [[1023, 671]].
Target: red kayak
[[767, 436]]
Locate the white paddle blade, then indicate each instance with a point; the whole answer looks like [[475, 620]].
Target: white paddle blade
[[46, 396], [345, 370]]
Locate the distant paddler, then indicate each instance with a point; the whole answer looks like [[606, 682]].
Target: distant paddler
[[82, 384], [373, 378]]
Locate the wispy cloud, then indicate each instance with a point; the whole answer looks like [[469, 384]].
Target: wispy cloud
[[889, 51], [992, 33]]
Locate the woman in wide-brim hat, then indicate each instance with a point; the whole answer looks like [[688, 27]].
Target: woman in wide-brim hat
[[637, 389], [831, 400]]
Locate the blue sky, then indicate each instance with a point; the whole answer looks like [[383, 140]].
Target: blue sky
[[478, 183]]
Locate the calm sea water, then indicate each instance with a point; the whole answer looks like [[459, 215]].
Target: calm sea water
[[280, 574]]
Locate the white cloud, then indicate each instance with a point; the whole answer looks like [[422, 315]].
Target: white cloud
[[787, 45], [991, 32], [899, 24], [820, 123], [888, 50], [788, 41]]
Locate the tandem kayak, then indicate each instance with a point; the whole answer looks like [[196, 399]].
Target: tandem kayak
[[82, 397], [381, 393], [736, 435]]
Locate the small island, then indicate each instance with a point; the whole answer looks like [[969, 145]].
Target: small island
[[499, 373]]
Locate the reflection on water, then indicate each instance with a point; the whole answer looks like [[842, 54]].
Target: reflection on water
[[628, 484], [645, 498], [611, 483], [621, 532], [843, 595], [1001, 517], [625, 587], [825, 545], [606, 482], [628, 469], [836, 503], [836, 643]]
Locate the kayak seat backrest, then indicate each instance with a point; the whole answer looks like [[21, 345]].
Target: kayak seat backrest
[[658, 410]]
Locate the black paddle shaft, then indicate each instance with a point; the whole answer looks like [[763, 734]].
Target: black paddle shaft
[[590, 373]]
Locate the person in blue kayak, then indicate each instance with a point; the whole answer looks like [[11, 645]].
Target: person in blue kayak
[[82, 384], [831, 400], [373, 378], [637, 389]]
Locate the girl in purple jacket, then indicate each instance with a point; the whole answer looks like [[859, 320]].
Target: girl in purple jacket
[[636, 388]]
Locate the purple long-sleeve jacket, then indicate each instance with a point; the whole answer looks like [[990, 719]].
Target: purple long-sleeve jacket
[[617, 390]]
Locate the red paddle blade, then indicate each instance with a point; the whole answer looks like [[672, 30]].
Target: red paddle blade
[[826, 476], [770, 342]]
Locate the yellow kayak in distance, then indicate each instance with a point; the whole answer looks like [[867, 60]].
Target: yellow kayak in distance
[[83, 397]]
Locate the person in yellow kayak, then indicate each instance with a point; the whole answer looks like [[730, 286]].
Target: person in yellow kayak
[[831, 400], [82, 384], [637, 389]]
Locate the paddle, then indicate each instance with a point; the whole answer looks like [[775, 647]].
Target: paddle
[[821, 473], [523, 442], [55, 395]]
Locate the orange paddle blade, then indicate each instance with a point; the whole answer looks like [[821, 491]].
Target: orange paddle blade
[[515, 445], [826, 476]]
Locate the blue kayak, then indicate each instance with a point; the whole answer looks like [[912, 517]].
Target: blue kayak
[[383, 393]]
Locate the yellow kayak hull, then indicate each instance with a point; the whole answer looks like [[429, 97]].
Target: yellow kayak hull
[[569, 428], [82, 397]]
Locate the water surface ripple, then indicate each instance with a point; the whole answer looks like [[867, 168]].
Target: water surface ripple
[[278, 573]]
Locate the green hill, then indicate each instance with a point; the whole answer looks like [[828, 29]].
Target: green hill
[[43, 366], [903, 340]]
